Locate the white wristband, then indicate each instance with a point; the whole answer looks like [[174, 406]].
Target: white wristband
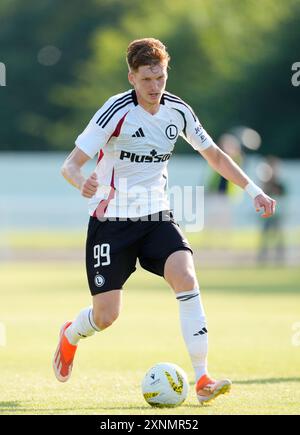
[[253, 190]]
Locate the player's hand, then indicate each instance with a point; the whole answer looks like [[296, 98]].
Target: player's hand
[[90, 186], [265, 202]]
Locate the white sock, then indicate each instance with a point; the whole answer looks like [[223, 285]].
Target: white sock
[[193, 327], [82, 327]]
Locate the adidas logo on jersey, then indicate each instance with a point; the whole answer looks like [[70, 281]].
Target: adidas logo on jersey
[[139, 133], [153, 158]]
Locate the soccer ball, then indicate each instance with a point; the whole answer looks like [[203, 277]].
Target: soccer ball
[[165, 385]]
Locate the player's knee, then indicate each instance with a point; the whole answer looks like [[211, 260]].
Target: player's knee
[[105, 319], [185, 282]]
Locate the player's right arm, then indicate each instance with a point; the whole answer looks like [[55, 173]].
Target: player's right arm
[[71, 170], [92, 139]]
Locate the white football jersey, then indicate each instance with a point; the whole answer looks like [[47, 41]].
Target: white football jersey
[[134, 148]]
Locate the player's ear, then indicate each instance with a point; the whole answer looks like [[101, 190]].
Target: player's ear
[[131, 78], [166, 72]]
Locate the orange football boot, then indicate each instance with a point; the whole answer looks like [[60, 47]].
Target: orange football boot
[[64, 356], [207, 389]]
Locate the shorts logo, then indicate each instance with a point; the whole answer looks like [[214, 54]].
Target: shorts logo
[[99, 280], [171, 131]]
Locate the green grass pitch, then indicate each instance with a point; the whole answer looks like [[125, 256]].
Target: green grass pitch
[[254, 340]]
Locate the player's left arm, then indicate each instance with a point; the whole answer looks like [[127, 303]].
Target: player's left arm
[[225, 166], [221, 162]]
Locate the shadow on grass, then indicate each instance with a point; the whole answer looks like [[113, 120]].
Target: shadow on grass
[[10, 406], [15, 406], [266, 381], [260, 381]]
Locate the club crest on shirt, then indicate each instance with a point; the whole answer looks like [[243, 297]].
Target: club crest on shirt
[[171, 131]]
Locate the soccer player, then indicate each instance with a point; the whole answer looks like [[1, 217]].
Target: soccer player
[[134, 134]]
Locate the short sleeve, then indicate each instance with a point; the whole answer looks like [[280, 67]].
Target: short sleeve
[[93, 138], [194, 132], [103, 124]]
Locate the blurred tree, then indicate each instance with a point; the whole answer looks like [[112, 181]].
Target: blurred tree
[[264, 96], [223, 55], [27, 112]]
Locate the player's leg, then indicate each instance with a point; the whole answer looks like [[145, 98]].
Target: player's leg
[[110, 260], [167, 253], [180, 273], [105, 310]]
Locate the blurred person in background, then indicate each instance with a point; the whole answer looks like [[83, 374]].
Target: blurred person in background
[[271, 245]]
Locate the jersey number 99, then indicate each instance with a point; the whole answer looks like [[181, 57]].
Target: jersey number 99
[[102, 255]]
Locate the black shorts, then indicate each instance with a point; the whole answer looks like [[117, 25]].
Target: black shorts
[[113, 246]]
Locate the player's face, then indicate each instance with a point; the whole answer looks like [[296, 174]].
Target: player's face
[[149, 82]]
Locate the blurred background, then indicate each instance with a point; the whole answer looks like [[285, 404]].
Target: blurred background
[[231, 61], [237, 64]]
